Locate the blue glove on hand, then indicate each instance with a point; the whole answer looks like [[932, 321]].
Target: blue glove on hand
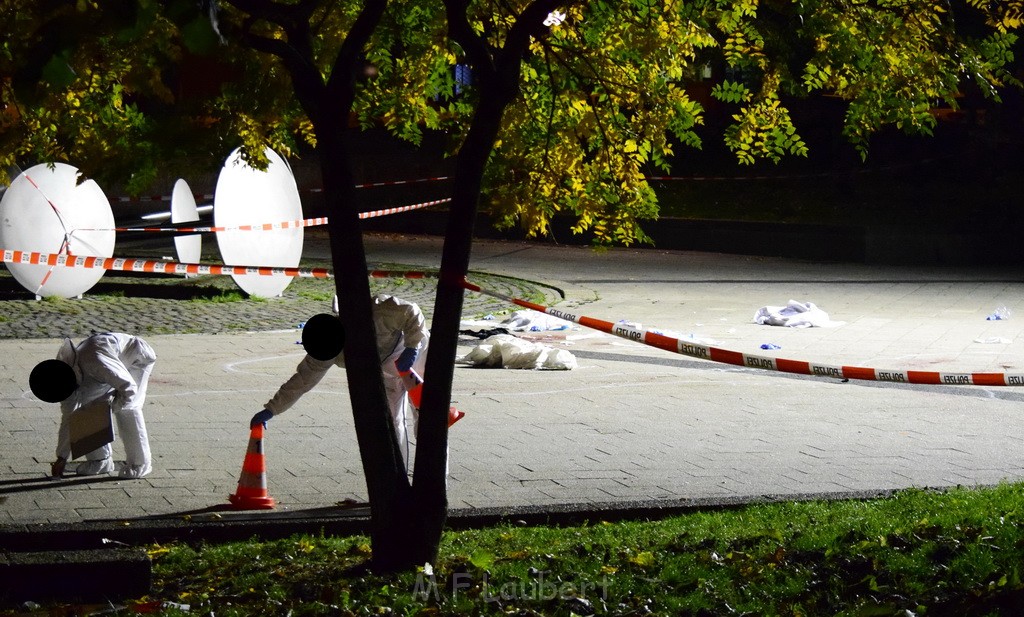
[[404, 361], [261, 417]]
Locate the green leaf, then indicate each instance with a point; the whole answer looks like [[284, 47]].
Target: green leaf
[[57, 72], [199, 36], [482, 559]]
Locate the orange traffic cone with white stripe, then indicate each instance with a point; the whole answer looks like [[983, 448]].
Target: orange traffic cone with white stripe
[[454, 415], [252, 483], [414, 386]]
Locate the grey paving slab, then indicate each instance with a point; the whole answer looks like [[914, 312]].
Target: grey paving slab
[[631, 423]]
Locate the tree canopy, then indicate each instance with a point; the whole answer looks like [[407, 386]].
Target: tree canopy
[[601, 101]]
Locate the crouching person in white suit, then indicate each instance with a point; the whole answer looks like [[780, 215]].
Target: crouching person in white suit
[[102, 365]]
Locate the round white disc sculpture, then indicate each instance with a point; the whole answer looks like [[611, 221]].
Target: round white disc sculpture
[[189, 249], [46, 210], [246, 196]]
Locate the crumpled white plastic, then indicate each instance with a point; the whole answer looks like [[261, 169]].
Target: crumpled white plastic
[[507, 351], [534, 320], [794, 315]]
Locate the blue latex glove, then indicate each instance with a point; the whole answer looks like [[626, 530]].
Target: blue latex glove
[[261, 417], [404, 361]]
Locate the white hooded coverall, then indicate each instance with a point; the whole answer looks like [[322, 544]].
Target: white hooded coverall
[[398, 324], [105, 363]]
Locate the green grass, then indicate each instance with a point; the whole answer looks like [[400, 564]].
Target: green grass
[[916, 553], [316, 295], [62, 305], [228, 296]]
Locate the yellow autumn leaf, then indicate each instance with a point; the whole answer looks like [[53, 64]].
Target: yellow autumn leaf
[[644, 559]]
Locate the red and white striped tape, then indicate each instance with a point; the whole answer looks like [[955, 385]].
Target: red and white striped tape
[[153, 266], [128, 264], [371, 185], [209, 196], [715, 354], [639, 335], [262, 227], [314, 222], [375, 213], [128, 199]]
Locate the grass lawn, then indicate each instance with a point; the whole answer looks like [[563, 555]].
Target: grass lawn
[[919, 552]]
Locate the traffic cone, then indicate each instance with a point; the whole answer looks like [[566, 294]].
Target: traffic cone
[[252, 483], [414, 386], [454, 415]]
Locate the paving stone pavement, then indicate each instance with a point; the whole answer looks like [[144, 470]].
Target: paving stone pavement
[[631, 424]]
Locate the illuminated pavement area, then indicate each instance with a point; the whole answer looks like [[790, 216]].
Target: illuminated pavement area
[[631, 425]]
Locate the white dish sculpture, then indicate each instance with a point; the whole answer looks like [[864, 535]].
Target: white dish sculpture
[[189, 249], [246, 196], [47, 210]]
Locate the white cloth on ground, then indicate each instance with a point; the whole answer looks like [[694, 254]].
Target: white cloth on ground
[[794, 315], [507, 351], [534, 320]]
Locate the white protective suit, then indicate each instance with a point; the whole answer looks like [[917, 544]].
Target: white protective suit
[[105, 363], [398, 324]]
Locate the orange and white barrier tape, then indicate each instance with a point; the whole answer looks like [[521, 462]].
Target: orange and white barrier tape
[[128, 199], [209, 196], [154, 266], [373, 185], [261, 227], [715, 354], [127, 264], [314, 222], [639, 335], [374, 213]]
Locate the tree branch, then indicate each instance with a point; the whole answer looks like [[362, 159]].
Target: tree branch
[[294, 50], [459, 30], [284, 15], [341, 80]]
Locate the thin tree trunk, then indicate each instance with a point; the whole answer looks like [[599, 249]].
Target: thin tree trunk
[[430, 479]]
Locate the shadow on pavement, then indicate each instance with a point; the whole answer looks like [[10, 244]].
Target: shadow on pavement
[[22, 485]]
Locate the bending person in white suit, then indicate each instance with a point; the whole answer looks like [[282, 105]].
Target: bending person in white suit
[[402, 339], [109, 364]]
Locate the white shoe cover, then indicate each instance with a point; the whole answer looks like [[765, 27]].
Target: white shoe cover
[[135, 471], [95, 468]]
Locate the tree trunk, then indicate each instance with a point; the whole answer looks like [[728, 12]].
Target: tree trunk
[[430, 494], [387, 481]]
